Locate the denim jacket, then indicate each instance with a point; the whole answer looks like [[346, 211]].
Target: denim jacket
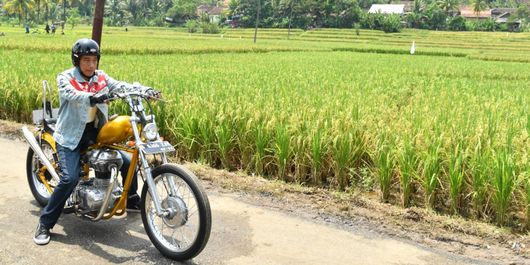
[[75, 104]]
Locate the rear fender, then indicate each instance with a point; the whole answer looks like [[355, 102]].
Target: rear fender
[[49, 138]]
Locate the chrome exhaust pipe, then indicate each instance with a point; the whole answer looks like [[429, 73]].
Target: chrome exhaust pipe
[[30, 138], [106, 199]]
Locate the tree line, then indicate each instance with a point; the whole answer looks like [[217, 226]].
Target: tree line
[[117, 12], [304, 14], [425, 14]]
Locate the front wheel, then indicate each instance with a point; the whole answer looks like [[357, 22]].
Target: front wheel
[[184, 232]]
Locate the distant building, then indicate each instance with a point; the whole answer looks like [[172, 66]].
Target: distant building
[[503, 16], [214, 12], [202, 9], [499, 15], [389, 9], [468, 13]]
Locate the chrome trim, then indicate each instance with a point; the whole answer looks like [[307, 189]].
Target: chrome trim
[[30, 138], [151, 187], [104, 206]]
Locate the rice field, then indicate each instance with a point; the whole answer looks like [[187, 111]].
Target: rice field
[[447, 131], [497, 46]]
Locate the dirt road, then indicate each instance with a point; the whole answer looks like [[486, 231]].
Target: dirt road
[[242, 233]]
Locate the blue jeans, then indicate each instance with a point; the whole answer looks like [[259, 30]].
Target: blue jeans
[[70, 167]]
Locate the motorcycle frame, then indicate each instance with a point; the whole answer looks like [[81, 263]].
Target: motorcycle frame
[[121, 204], [137, 155]]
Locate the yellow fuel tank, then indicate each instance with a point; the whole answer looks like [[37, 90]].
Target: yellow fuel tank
[[116, 130]]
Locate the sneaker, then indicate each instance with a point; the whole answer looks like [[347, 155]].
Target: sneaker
[[133, 204], [42, 235], [133, 207]]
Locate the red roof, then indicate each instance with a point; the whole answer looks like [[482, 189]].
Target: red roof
[[468, 12]]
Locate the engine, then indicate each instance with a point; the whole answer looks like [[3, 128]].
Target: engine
[[90, 194]]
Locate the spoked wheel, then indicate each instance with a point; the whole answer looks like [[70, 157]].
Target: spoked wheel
[[183, 233], [34, 168]]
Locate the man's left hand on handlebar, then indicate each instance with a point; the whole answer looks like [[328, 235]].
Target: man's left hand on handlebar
[[152, 93]]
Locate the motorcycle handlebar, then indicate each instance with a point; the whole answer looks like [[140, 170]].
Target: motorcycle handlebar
[[135, 89]]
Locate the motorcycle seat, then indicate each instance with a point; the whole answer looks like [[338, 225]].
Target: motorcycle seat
[[49, 125]]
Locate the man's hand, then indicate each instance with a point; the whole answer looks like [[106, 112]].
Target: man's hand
[[153, 93], [98, 99]]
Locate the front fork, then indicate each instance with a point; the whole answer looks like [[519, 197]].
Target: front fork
[[152, 186], [138, 107]]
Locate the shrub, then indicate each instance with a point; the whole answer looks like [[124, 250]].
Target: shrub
[[391, 23], [436, 17], [282, 23], [414, 20], [503, 27], [192, 25], [210, 28], [386, 23], [484, 25], [457, 23], [372, 21]]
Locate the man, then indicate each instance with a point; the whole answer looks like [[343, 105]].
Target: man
[[80, 115]]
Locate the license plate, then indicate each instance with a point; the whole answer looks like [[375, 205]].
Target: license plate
[[157, 147]]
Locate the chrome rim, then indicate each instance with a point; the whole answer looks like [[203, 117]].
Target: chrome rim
[[35, 168], [180, 228]]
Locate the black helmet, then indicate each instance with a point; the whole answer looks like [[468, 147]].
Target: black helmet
[[84, 47]]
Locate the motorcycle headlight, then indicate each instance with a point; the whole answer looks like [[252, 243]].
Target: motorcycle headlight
[[150, 132]]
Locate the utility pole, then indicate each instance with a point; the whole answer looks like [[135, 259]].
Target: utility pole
[[64, 17], [290, 18], [97, 24], [257, 21]]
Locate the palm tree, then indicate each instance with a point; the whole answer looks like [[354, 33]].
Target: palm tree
[[86, 7], [448, 6], [20, 7], [292, 6], [46, 5], [479, 5], [418, 7], [37, 5], [63, 3], [134, 8], [117, 12]]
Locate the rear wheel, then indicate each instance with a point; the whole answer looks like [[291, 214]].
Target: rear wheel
[[34, 167], [182, 234]]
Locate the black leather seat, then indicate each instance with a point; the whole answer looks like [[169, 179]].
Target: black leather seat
[[49, 125]]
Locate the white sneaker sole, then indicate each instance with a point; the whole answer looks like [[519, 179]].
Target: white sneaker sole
[[41, 241]]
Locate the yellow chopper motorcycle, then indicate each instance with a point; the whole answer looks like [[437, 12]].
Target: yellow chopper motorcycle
[[174, 206]]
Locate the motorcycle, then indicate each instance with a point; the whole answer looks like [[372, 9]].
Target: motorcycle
[[174, 206]]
